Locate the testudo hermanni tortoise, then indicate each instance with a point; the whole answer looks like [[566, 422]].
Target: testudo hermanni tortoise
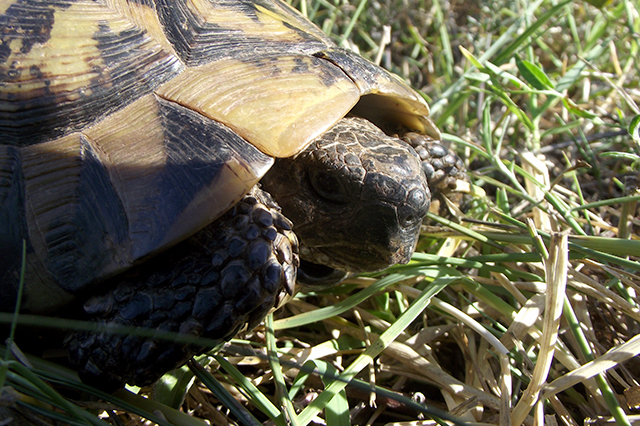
[[157, 157]]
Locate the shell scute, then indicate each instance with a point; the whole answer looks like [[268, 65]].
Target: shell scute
[[32, 22], [88, 61], [202, 31], [279, 103], [178, 171], [69, 194]]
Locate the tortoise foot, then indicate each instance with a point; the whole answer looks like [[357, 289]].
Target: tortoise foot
[[227, 276], [441, 166]]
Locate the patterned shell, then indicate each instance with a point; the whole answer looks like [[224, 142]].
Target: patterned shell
[[128, 125]]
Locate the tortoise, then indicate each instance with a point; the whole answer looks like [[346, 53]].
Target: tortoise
[[175, 163]]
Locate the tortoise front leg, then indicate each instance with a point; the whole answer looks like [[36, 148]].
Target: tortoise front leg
[[441, 166], [227, 276]]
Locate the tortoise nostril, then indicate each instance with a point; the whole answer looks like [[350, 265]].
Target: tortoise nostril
[[408, 221]]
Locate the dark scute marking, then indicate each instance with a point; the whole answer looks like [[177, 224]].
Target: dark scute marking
[[133, 66], [13, 226], [14, 72], [80, 243], [300, 67], [270, 63], [328, 76], [196, 150], [28, 20], [178, 25], [35, 72], [249, 10], [354, 66], [132, 69], [5, 51], [198, 42]]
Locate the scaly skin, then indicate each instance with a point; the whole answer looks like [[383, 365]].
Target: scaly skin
[[227, 276]]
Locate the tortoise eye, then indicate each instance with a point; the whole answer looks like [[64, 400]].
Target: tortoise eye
[[328, 186]]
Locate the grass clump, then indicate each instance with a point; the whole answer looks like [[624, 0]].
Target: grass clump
[[540, 99]]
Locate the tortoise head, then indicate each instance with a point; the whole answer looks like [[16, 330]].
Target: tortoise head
[[356, 197]]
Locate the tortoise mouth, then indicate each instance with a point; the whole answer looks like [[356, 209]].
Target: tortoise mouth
[[313, 276], [355, 259]]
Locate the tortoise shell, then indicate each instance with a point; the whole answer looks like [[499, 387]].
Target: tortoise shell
[[128, 125]]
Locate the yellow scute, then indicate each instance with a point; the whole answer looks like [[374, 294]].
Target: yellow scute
[[278, 104], [65, 61], [70, 58]]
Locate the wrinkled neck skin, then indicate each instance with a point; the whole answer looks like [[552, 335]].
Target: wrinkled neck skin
[[356, 198]]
